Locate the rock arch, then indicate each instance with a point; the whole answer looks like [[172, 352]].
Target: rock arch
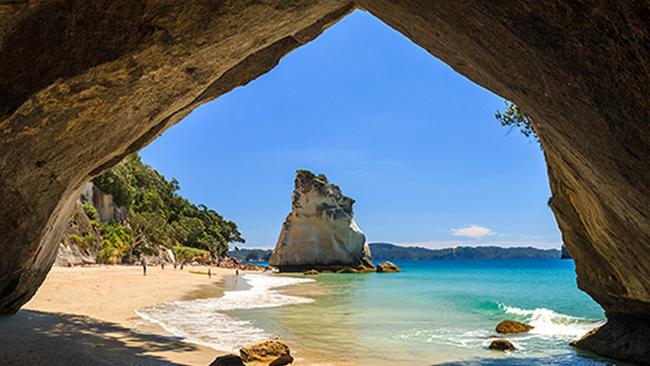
[[82, 84]]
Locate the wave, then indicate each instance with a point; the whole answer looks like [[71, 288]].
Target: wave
[[205, 322], [547, 322]]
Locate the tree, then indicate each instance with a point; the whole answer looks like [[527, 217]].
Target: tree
[[515, 118]]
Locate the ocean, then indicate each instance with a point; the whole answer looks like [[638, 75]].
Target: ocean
[[433, 312]]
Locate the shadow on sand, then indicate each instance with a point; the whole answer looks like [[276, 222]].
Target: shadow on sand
[[37, 338]]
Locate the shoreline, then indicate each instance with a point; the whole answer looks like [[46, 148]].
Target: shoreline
[[92, 315], [105, 299]]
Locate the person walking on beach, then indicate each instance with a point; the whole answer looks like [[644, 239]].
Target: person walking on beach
[[237, 272], [209, 272], [162, 265], [174, 265], [144, 266], [182, 264]]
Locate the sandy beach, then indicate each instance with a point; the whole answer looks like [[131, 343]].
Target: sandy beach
[[86, 315]]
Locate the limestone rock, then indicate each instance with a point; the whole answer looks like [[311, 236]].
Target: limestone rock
[[501, 345], [387, 267], [264, 351], [512, 326], [320, 232], [228, 360]]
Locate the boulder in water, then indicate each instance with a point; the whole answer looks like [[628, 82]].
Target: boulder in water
[[311, 272], [512, 326], [264, 351], [501, 345], [387, 267]]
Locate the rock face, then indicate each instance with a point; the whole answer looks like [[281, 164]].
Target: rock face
[[501, 345], [512, 326], [83, 84], [266, 351], [387, 267], [565, 253], [320, 233]]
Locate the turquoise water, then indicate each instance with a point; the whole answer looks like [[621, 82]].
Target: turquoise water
[[436, 312]]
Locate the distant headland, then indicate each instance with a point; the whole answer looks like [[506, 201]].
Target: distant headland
[[389, 251]]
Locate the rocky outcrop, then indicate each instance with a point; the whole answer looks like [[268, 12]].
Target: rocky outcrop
[[387, 267], [106, 208], [501, 345], [228, 360], [282, 361], [79, 245], [512, 326], [565, 253], [266, 351], [83, 84], [320, 233]]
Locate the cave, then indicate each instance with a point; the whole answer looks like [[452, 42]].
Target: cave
[[83, 84]]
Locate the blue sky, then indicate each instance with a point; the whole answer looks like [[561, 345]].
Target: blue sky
[[415, 143]]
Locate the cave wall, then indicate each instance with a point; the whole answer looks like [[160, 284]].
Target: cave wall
[[82, 84]]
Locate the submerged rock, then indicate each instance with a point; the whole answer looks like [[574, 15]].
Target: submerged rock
[[512, 326], [228, 360], [264, 351], [501, 345], [311, 272], [320, 232], [387, 267]]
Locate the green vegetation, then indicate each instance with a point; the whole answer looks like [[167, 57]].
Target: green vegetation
[[156, 216], [515, 118], [90, 211], [188, 254]]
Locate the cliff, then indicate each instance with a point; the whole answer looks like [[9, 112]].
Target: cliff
[[320, 231]]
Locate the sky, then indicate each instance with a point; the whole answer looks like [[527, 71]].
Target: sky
[[413, 142]]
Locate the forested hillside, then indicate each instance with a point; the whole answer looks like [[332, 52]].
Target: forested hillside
[[151, 216]]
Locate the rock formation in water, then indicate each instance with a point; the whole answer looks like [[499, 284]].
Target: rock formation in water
[[84, 84], [501, 345], [512, 326], [565, 253], [320, 232], [387, 267]]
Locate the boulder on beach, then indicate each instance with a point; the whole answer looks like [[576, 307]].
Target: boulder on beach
[[512, 326], [228, 360], [311, 272], [387, 267], [282, 361], [319, 232], [265, 351], [501, 345]]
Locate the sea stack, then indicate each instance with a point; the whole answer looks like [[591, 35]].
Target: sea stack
[[320, 232]]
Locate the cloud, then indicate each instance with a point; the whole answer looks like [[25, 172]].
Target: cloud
[[472, 231]]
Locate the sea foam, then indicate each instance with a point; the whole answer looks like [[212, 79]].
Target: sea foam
[[547, 322], [205, 322]]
